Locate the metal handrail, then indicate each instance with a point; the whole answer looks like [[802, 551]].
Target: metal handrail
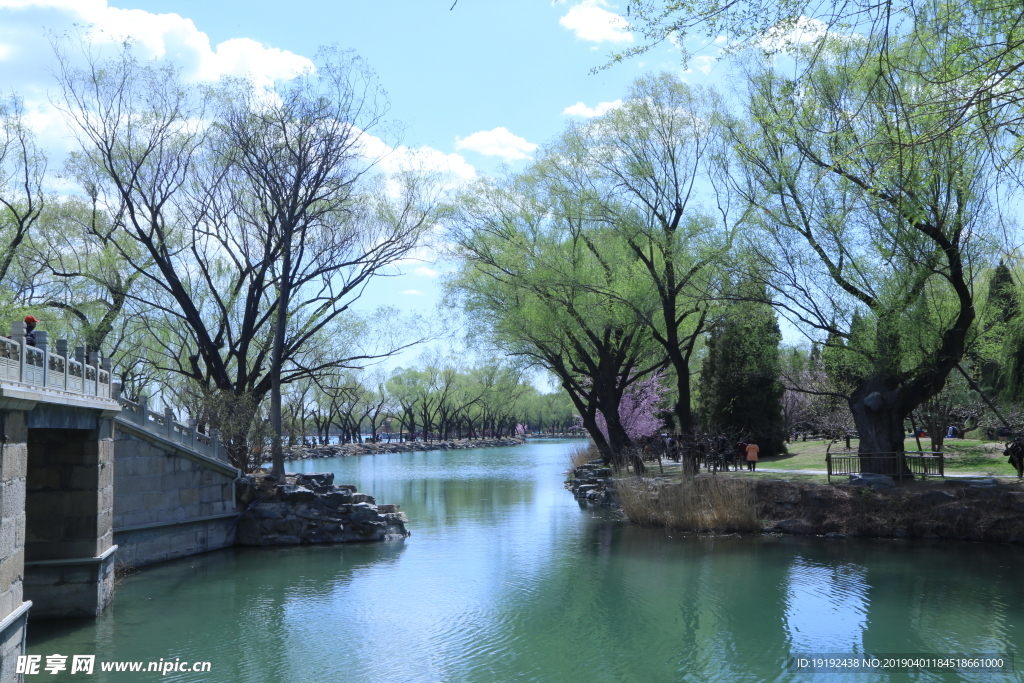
[[923, 463]]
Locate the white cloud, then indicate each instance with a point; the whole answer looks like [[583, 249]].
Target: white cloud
[[423, 270], [27, 60], [785, 35], [497, 143], [580, 109], [703, 63], [591, 22], [412, 292]]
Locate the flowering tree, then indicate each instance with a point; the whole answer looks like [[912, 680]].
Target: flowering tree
[[637, 408]]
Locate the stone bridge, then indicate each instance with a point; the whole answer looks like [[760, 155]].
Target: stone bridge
[[60, 413]]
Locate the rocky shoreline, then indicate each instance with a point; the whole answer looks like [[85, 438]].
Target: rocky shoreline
[[310, 508], [351, 449], [980, 509]]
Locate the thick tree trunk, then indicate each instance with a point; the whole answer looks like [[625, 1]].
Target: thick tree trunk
[[880, 427]]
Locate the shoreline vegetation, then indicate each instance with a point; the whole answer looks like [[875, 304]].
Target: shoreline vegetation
[[975, 507], [373, 448]]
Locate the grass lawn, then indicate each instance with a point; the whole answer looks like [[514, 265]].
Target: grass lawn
[[963, 456]]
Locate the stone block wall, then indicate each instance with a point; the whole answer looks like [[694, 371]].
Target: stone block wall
[[169, 502], [13, 609]]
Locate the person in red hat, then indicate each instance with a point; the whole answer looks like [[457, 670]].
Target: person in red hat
[[30, 329]]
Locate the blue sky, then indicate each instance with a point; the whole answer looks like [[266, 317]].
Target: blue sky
[[477, 86]]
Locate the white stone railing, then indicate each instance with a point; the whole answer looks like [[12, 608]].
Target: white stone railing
[[165, 426], [60, 370], [90, 375]]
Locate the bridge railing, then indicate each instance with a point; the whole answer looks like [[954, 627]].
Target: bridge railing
[[90, 375], [164, 425], [61, 369]]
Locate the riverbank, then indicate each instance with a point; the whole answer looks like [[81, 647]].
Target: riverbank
[[373, 448], [981, 509]]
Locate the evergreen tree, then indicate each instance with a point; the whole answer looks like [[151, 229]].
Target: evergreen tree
[[741, 395]]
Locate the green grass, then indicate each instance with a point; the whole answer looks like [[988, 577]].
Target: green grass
[[963, 456]]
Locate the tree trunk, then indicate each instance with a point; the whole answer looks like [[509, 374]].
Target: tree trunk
[[880, 428]]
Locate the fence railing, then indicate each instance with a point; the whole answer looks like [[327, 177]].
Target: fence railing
[[898, 465], [60, 369], [164, 425], [90, 375]]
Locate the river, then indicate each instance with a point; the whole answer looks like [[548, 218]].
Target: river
[[507, 578]]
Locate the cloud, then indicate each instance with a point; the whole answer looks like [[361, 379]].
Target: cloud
[[423, 270], [27, 61], [157, 36], [786, 35], [703, 63], [497, 143], [412, 292], [590, 22], [580, 109]]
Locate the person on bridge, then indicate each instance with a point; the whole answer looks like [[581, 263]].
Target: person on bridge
[[30, 330]]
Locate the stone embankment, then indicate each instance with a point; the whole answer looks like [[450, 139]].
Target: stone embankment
[[593, 483], [963, 509], [974, 510], [349, 449], [309, 508]]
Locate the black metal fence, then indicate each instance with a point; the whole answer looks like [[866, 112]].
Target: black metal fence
[[898, 465]]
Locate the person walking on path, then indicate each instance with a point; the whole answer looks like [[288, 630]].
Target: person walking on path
[[752, 450]]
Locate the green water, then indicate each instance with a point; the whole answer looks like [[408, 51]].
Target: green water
[[506, 578]]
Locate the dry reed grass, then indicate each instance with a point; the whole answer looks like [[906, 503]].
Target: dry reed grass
[[581, 455], [698, 504]]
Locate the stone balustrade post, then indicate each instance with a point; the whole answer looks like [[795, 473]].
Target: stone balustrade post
[[115, 388], [62, 350], [143, 410], [192, 432], [18, 336], [215, 443], [80, 355], [43, 344], [169, 422]]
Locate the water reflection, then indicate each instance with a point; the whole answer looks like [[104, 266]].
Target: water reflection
[[507, 578]]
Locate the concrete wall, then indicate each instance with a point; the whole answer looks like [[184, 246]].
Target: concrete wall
[[13, 609], [168, 501]]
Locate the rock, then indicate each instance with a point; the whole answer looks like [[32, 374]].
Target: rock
[[363, 498], [875, 481], [834, 535], [290, 493], [334, 499], [314, 479], [387, 508], [794, 526]]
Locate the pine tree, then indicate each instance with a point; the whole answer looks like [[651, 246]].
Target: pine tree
[[741, 395]]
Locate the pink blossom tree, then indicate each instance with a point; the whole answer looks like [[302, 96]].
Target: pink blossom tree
[[637, 408]]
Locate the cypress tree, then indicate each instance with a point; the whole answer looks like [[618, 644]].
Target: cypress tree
[[741, 395]]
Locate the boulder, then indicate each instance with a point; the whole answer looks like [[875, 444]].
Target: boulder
[[314, 479], [875, 481], [290, 493]]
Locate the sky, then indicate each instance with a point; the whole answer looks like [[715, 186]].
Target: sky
[[477, 87]]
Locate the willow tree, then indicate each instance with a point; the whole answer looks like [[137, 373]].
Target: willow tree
[[536, 264], [867, 216], [647, 170], [252, 216]]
